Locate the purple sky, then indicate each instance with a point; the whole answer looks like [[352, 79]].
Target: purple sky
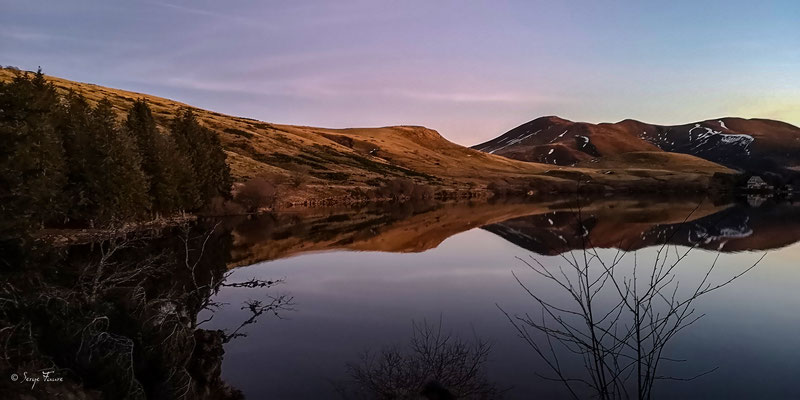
[[469, 69]]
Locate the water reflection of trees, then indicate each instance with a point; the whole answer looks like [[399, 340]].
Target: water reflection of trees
[[609, 332], [433, 365], [118, 319]]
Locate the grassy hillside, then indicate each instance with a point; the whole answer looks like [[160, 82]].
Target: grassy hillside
[[312, 165], [655, 160]]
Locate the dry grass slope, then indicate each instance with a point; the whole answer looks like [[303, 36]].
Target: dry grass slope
[[655, 160], [311, 164]]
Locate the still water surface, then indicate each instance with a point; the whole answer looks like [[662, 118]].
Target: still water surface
[[359, 281]]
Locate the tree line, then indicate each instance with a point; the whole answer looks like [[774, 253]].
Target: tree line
[[64, 160]]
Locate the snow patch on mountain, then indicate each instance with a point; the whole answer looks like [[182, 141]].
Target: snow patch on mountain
[[510, 143], [661, 139], [701, 139], [559, 136]]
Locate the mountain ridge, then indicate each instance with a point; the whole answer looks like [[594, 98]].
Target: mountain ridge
[[755, 146]]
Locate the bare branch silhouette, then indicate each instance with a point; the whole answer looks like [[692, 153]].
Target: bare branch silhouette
[[434, 365], [256, 309], [618, 318], [122, 316]]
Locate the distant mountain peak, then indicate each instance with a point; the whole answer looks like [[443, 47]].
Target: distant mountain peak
[[758, 146]]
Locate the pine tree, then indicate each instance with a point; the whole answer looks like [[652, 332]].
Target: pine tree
[[157, 158], [183, 129], [71, 121], [61, 157], [202, 148], [119, 184], [31, 154]]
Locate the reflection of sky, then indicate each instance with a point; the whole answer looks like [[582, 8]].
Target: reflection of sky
[[469, 69], [349, 301]]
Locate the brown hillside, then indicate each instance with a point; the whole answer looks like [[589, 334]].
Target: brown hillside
[[337, 165], [757, 146], [654, 160]]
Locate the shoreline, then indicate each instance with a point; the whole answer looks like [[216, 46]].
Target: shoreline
[[62, 237]]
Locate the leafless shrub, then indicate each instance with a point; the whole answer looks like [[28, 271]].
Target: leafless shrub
[[434, 365], [401, 187], [503, 188], [256, 193], [101, 348], [222, 206], [404, 189], [109, 322], [617, 321], [299, 176], [424, 192]]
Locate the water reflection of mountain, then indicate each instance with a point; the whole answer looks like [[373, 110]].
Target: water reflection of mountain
[[737, 227], [544, 227], [409, 227]]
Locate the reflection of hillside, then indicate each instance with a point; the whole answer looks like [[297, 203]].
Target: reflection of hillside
[[403, 228], [729, 229], [419, 227], [772, 227]]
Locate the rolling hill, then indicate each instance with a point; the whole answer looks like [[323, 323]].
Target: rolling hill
[[756, 146], [311, 165]]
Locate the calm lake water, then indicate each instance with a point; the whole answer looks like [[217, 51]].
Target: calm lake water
[[360, 280], [606, 298]]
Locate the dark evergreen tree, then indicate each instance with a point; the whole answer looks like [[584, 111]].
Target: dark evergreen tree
[[202, 148], [158, 158], [62, 159], [119, 184], [71, 120], [31, 154]]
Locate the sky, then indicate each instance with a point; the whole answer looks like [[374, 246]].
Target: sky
[[470, 69]]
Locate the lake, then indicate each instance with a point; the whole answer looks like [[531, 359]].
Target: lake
[[564, 298], [360, 281]]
